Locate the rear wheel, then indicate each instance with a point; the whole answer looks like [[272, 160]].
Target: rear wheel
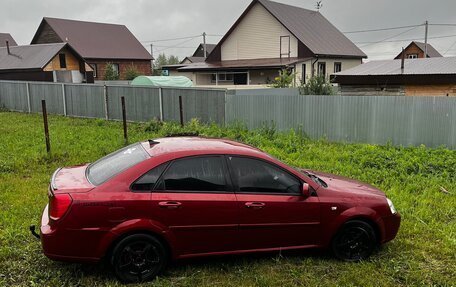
[[138, 258], [355, 241]]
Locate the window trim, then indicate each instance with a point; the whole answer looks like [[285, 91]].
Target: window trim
[[235, 181], [228, 181], [319, 72]]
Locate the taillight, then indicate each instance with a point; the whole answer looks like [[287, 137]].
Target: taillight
[[58, 205]]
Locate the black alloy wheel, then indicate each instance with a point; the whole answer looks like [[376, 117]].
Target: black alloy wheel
[[138, 258], [355, 241]]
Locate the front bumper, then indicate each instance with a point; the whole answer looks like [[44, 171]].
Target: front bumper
[[391, 227]]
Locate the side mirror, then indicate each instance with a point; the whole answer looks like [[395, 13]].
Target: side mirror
[[305, 190]]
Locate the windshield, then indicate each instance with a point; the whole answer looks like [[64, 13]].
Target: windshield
[[114, 163]]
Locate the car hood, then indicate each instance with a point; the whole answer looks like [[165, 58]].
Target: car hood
[[347, 185], [70, 179]]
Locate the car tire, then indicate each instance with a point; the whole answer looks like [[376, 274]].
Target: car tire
[[355, 241], [138, 258]]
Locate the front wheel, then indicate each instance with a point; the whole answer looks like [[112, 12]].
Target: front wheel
[[138, 258], [355, 241]]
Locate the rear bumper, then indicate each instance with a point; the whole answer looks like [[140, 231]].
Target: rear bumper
[[65, 245], [391, 224]]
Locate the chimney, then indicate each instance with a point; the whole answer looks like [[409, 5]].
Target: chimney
[[402, 60], [7, 48]]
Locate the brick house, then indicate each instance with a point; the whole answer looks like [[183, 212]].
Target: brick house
[[98, 43], [415, 50]]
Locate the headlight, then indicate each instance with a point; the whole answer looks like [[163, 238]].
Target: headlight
[[391, 206]]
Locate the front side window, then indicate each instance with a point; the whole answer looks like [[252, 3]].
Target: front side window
[[116, 162], [257, 176], [337, 67], [204, 174], [147, 182]]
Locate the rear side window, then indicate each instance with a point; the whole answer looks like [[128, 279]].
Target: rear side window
[[116, 162], [147, 181], [206, 174], [257, 176]]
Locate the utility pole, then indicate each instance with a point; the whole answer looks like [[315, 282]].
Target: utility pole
[[152, 54], [204, 45], [426, 24]]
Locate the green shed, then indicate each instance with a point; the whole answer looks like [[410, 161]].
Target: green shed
[[162, 81]]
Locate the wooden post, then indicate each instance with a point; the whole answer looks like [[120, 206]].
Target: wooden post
[[124, 118], [181, 111], [46, 127]]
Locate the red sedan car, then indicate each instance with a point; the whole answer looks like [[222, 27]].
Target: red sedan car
[[181, 197]]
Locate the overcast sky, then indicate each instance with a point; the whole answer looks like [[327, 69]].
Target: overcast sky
[[165, 19]]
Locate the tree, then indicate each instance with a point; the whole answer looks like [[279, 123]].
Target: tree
[[162, 60], [111, 74], [317, 85], [131, 73], [284, 80]]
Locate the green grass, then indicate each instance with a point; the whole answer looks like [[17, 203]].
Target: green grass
[[423, 254]]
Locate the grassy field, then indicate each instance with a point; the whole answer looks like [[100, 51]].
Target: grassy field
[[423, 254]]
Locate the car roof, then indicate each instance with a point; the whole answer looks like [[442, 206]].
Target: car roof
[[198, 145]]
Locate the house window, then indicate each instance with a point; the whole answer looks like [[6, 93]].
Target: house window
[[303, 74], [321, 68], [62, 60], [116, 68], [412, 56], [213, 78], [95, 69], [337, 67], [225, 77]]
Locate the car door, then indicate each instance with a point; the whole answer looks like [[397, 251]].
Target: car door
[[273, 211], [195, 200]]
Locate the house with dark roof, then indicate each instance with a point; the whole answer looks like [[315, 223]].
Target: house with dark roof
[[400, 77], [98, 44], [57, 62], [271, 36], [198, 56], [6, 37], [416, 50]]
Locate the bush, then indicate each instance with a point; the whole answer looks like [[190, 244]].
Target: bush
[[284, 80], [316, 85], [131, 73], [110, 73]]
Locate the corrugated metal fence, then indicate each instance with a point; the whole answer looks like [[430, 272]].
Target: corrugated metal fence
[[98, 101], [366, 119]]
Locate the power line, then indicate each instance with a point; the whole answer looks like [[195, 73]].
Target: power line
[[449, 49], [172, 39], [383, 29], [438, 24], [405, 40], [391, 37], [177, 45]]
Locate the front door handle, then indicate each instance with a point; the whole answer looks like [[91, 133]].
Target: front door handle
[[255, 205], [169, 204]]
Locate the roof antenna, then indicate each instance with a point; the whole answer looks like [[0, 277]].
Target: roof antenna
[[319, 5]]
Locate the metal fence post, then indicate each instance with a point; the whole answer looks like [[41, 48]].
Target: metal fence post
[[29, 104], [160, 99], [64, 100], [181, 111], [124, 119], [46, 127], [105, 95]]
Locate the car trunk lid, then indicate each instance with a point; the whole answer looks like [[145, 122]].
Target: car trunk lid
[[70, 179]]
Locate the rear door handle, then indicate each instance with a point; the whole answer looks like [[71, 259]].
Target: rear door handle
[[255, 205], [169, 204]]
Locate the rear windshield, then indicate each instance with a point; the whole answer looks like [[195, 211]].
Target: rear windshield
[[116, 162]]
